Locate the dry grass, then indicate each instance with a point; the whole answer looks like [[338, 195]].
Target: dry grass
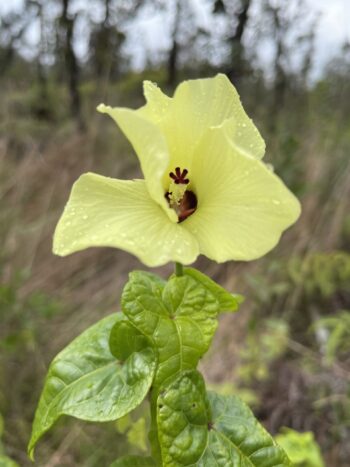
[[35, 185]]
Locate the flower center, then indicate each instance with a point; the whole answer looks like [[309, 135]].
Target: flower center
[[183, 201]]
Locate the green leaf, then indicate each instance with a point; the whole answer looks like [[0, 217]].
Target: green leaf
[[193, 309], [87, 382], [179, 317], [182, 416], [125, 339], [227, 434], [134, 461], [227, 301], [7, 462], [137, 435], [236, 438], [301, 448]]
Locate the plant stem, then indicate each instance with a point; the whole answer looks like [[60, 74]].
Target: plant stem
[[179, 269]]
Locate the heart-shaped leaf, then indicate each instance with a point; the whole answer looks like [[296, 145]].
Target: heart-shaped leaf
[[179, 317], [227, 301], [182, 416], [237, 438], [86, 381], [201, 430]]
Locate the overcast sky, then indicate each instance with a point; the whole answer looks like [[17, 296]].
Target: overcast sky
[[333, 29], [150, 35]]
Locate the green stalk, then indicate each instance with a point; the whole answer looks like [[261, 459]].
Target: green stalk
[[179, 269]]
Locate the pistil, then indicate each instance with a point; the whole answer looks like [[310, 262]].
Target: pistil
[[182, 200]]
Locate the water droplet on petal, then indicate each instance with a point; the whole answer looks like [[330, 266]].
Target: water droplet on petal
[[85, 217]]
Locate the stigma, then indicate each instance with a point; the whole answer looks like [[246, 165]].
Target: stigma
[[179, 176], [182, 200]]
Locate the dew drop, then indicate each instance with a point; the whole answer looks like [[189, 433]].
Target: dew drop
[[85, 217]]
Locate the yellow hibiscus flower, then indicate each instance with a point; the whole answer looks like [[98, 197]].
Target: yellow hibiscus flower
[[206, 190]]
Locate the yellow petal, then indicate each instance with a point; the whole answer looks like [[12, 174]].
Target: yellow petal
[[203, 103], [157, 103], [243, 207], [104, 211], [151, 148]]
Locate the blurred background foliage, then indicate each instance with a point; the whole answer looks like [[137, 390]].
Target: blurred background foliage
[[287, 351]]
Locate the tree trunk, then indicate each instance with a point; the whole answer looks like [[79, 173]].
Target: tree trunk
[[71, 63], [43, 110], [174, 51], [236, 69], [280, 74]]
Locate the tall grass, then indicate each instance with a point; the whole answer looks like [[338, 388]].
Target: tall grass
[[45, 300]]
